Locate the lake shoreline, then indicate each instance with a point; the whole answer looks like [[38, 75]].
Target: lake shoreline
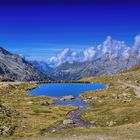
[[73, 115]]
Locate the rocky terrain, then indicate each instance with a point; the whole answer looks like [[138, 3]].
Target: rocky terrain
[[14, 67], [78, 70]]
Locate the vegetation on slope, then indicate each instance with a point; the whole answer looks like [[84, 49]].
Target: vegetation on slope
[[22, 114], [115, 105], [115, 111]]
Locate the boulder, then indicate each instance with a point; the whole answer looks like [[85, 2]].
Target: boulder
[[94, 98], [129, 100], [30, 102], [100, 101], [62, 99], [44, 102], [6, 131], [93, 122], [125, 96], [114, 95], [126, 78], [111, 123], [90, 97], [138, 123], [68, 121], [70, 97], [136, 81]]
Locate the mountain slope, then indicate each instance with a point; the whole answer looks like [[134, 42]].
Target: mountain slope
[[41, 66], [78, 70], [14, 67]]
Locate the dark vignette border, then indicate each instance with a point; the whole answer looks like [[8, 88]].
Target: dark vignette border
[[68, 2]]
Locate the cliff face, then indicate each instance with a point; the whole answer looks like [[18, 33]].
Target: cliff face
[[14, 67]]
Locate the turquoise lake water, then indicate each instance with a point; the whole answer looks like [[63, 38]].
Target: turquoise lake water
[[59, 90]]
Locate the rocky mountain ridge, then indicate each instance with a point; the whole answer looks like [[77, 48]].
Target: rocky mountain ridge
[[78, 70], [16, 68]]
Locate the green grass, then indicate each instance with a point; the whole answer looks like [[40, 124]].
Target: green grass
[[115, 110], [27, 115], [116, 105]]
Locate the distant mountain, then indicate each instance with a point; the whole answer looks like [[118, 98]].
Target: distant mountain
[[41, 66], [14, 67], [78, 70], [109, 57]]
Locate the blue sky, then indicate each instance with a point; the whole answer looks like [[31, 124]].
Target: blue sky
[[38, 28]]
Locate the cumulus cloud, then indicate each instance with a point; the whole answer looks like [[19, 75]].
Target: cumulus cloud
[[137, 42], [110, 48], [67, 55], [113, 48], [89, 54], [136, 47]]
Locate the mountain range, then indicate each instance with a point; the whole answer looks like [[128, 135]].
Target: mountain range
[[109, 57], [16, 68]]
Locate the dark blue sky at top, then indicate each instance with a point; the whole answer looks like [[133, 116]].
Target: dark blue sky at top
[[45, 27]]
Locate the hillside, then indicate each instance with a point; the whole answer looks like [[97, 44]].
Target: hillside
[[14, 67]]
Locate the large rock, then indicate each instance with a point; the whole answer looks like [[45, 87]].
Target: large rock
[[68, 121], [111, 123], [44, 102], [70, 97]]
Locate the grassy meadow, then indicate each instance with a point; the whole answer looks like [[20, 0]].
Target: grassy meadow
[[24, 115], [115, 111]]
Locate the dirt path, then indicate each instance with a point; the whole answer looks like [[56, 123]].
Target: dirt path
[[136, 89], [10, 83]]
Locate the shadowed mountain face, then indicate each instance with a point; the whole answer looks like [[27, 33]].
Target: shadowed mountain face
[[14, 67]]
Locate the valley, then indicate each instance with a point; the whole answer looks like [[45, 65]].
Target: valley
[[115, 111], [69, 70]]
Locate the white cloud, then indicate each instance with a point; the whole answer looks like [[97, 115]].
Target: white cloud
[[110, 48], [137, 41], [67, 55], [136, 47], [89, 54], [113, 48]]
